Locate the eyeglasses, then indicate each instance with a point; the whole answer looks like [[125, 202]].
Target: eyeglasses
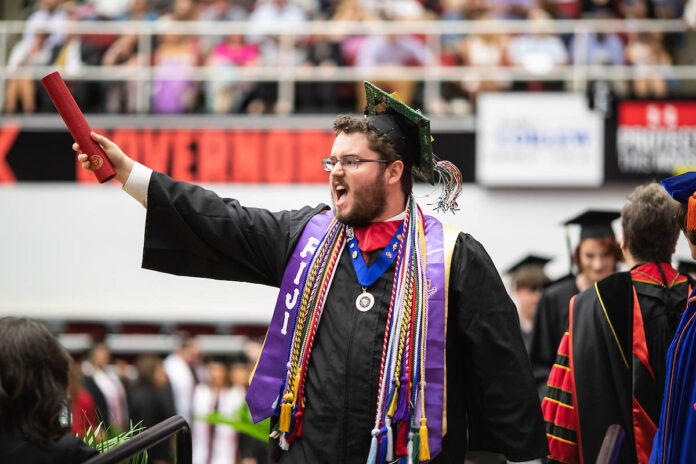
[[348, 162]]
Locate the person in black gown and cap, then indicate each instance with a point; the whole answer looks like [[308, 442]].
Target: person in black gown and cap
[[596, 257], [528, 280]]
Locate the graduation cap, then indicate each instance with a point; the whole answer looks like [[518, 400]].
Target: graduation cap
[[594, 224], [529, 260], [409, 131], [528, 272], [683, 189]]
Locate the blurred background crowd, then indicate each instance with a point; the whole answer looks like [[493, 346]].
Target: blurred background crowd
[[118, 392], [171, 58]]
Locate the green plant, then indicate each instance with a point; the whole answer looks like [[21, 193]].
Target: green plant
[[242, 422], [98, 438]]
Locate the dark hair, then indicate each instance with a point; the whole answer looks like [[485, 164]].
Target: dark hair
[[146, 366], [609, 243], [377, 142], [33, 381], [531, 277], [650, 232], [681, 214]]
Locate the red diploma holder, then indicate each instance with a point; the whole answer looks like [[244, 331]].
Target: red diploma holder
[[77, 125]]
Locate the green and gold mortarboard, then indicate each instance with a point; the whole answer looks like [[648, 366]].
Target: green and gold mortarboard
[[407, 129]]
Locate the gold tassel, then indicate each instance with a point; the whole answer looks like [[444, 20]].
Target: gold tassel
[[691, 215], [424, 454], [392, 407], [285, 413]]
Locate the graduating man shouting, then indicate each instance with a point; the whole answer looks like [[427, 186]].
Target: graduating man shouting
[[393, 338]]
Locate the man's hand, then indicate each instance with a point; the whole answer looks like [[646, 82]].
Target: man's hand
[[122, 163]]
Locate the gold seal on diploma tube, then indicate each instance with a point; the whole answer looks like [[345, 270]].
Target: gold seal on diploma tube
[[96, 161]]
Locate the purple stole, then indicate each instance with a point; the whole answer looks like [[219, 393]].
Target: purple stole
[[270, 371]]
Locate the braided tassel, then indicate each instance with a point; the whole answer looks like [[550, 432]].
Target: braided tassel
[[414, 448], [284, 445], [298, 423], [286, 413], [296, 426], [402, 409], [424, 449], [401, 449], [383, 445], [372, 457]]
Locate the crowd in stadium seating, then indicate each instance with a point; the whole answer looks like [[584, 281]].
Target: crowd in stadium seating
[[45, 42]]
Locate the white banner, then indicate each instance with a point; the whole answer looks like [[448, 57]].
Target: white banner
[[538, 139]]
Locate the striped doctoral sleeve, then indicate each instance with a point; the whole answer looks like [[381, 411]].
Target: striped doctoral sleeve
[[559, 413]]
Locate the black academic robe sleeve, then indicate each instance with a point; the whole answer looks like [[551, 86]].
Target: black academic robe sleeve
[[550, 323], [487, 361], [193, 232]]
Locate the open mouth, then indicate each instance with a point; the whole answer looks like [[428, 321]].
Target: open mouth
[[340, 193]]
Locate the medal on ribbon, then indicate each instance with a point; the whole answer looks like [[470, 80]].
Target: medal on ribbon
[[369, 275]]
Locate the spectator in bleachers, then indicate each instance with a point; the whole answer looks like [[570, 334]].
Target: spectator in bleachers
[[120, 97], [150, 402], [603, 8], [540, 52], [566, 9], [175, 58], [386, 52], [227, 95], [483, 51], [268, 17], [212, 443], [634, 9], [401, 9], [647, 54], [105, 387], [111, 9], [34, 412], [324, 54], [511, 9], [218, 10], [602, 48], [667, 9], [45, 31]]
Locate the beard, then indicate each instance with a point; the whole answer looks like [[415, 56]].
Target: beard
[[368, 203]]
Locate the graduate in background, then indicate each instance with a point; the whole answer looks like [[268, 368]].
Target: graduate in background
[[596, 257], [528, 280], [215, 444], [610, 367], [675, 441]]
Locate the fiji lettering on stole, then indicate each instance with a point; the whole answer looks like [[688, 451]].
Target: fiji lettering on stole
[[291, 299]]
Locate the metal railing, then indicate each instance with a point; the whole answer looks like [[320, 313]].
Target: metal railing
[[156, 434], [578, 73]]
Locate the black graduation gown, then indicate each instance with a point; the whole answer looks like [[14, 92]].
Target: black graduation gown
[[67, 450], [490, 390], [149, 406], [550, 323], [606, 390]]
